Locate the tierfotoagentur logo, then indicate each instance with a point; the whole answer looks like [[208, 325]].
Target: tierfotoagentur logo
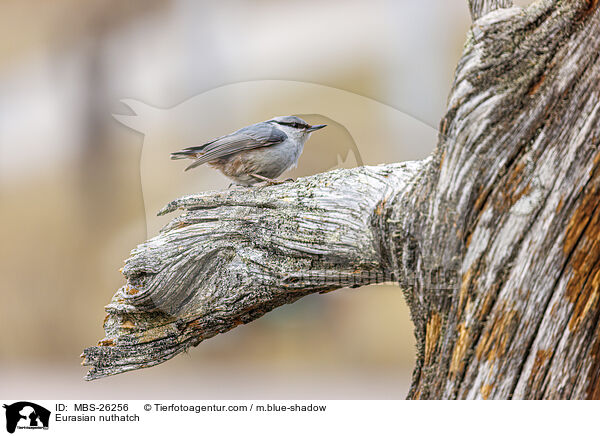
[[26, 415]]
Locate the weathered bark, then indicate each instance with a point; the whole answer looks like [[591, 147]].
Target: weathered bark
[[495, 239], [237, 254], [514, 197]]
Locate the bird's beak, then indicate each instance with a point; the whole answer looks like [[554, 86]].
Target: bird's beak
[[316, 127]]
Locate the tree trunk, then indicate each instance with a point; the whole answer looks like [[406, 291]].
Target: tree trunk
[[495, 239]]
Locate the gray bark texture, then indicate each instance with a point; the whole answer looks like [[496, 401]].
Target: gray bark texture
[[494, 239]]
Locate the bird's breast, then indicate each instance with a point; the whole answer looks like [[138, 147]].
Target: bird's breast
[[274, 160]]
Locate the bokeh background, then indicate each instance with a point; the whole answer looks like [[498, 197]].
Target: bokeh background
[[74, 201]]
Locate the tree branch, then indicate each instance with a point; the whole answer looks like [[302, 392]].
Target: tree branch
[[234, 255], [517, 182]]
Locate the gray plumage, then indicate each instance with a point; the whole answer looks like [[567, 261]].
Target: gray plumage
[[260, 152]]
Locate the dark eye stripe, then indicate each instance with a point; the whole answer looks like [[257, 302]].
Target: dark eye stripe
[[295, 125]]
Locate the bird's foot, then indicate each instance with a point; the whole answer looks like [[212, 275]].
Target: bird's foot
[[234, 186], [270, 182]]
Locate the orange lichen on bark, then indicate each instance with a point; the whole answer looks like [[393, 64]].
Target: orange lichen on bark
[[128, 325], [486, 306], [508, 192], [516, 175], [588, 300], [469, 282], [468, 240], [559, 205], [541, 358], [237, 321], [464, 288], [536, 85], [131, 290], [486, 390], [582, 243], [193, 325], [589, 8], [380, 207], [180, 225], [443, 127], [460, 350], [481, 198], [511, 190], [106, 343], [432, 336], [580, 219], [495, 340], [593, 376]]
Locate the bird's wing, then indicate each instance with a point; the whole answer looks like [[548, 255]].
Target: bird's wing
[[255, 136]]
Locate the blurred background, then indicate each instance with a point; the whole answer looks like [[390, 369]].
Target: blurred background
[[79, 189]]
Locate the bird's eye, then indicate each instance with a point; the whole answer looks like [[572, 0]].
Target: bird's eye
[[295, 125]]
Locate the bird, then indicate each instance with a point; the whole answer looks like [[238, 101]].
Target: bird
[[257, 153]]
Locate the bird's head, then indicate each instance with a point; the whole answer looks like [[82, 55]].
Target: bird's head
[[295, 127]]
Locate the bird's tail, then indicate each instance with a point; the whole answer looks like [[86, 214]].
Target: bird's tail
[[189, 152], [183, 154]]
